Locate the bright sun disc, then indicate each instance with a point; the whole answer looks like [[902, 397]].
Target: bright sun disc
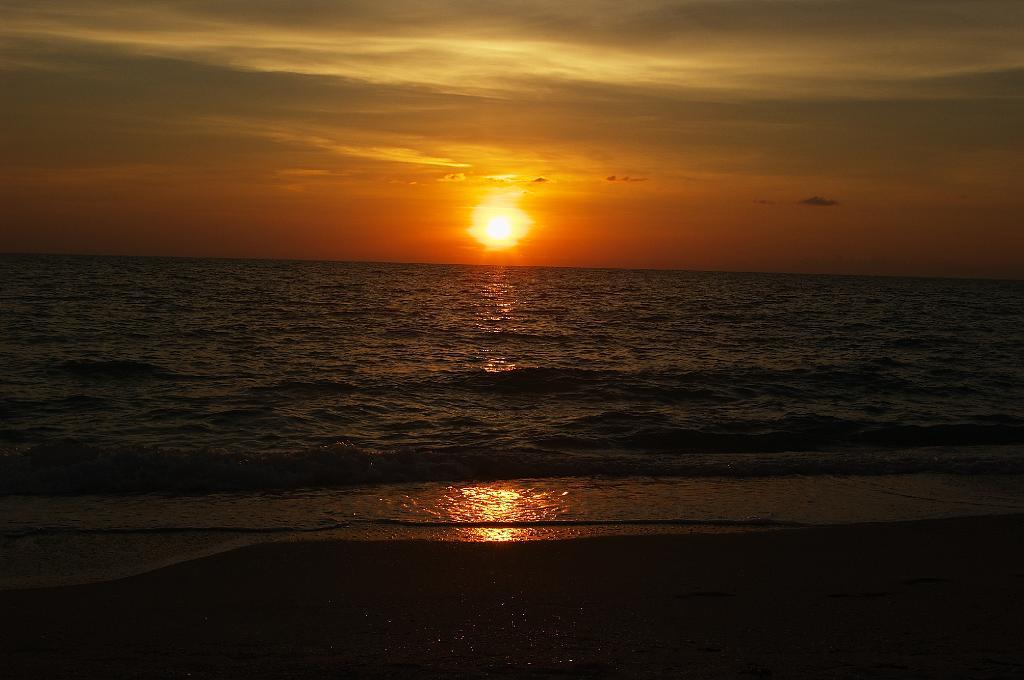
[[498, 222], [499, 228]]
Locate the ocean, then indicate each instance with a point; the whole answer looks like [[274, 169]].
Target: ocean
[[159, 408]]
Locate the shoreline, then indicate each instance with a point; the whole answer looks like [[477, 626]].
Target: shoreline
[[67, 540], [931, 598]]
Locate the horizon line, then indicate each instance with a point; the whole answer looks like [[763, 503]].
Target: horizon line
[[7, 253]]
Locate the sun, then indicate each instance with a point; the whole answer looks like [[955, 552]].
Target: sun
[[499, 229], [498, 222]]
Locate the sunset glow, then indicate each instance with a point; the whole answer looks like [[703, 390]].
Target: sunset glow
[[712, 135]]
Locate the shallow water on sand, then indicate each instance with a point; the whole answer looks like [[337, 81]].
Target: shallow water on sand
[[47, 540]]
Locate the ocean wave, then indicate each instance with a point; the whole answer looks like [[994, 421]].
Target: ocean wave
[[410, 523], [70, 467], [307, 387], [673, 386], [214, 529], [114, 368], [532, 380], [821, 433], [752, 522], [527, 524]]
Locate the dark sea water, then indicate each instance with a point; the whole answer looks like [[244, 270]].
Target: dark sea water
[[213, 377]]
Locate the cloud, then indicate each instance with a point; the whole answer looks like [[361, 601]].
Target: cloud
[[764, 201], [304, 172], [516, 179], [453, 177], [625, 178], [398, 155], [818, 201], [367, 100], [748, 48]]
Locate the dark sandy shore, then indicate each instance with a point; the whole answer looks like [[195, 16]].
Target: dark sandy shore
[[924, 599]]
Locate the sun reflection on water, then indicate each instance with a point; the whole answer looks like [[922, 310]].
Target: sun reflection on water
[[498, 512], [497, 315], [500, 305], [488, 510], [497, 364], [496, 534]]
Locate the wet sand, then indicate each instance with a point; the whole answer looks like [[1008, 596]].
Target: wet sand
[[940, 599]]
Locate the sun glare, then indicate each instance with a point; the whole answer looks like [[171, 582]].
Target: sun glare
[[498, 222], [499, 228]]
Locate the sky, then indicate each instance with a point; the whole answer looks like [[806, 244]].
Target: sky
[[843, 136]]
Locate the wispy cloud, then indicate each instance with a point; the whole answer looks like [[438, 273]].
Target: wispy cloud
[[304, 172], [399, 155], [819, 201], [742, 48]]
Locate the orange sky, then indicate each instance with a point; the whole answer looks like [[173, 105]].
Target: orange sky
[[798, 135]]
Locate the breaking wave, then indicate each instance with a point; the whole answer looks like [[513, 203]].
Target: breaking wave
[[70, 467], [746, 522], [117, 368]]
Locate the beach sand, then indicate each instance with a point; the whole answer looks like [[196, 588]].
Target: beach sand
[[936, 598]]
